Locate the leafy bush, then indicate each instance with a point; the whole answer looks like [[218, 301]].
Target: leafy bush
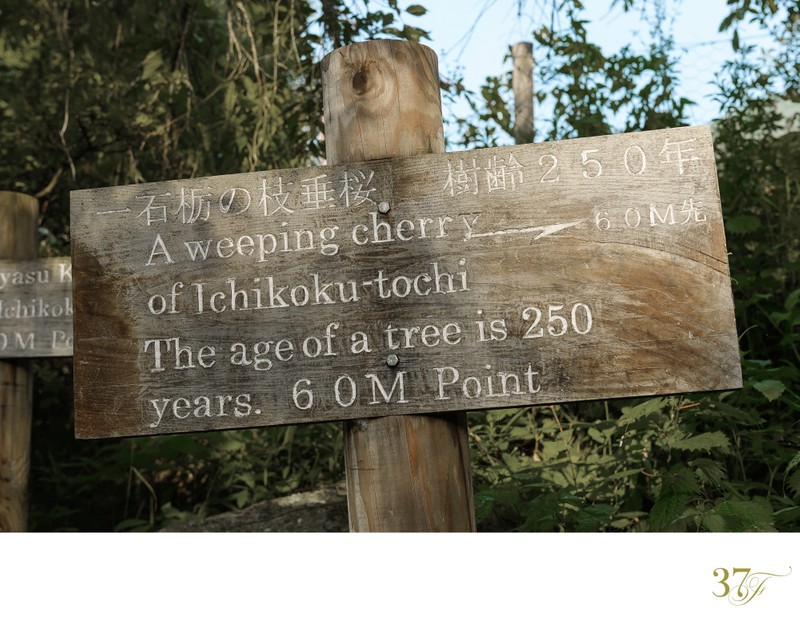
[[142, 483], [716, 462]]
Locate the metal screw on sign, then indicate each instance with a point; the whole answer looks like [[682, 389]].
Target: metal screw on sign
[[383, 207], [392, 360]]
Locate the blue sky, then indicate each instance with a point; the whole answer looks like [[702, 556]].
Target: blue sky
[[494, 25]]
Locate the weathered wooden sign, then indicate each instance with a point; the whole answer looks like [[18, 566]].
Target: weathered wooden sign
[[539, 273], [36, 308]]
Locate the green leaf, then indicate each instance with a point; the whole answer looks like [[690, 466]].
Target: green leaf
[[621, 475], [416, 9], [793, 482], [787, 518], [597, 436], [709, 471], [241, 498], [792, 300], [513, 463], [643, 410], [743, 224], [770, 388], [152, 64], [667, 511], [725, 24], [706, 441], [414, 34], [592, 518], [713, 522], [793, 463], [680, 481], [746, 515], [249, 479]]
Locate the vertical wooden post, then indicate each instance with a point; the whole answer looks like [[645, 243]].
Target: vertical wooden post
[[18, 218], [522, 80], [404, 473]]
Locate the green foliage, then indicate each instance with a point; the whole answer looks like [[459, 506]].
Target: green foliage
[[113, 92], [664, 464], [726, 462], [592, 90], [590, 93], [140, 484], [345, 22]]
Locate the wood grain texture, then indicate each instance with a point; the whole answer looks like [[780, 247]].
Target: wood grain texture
[[573, 270], [381, 100], [36, 308], [18, 223], [404, 473], [522, 83]]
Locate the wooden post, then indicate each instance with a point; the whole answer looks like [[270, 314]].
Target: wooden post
[[404, 473], [18, 217], [522, 80]]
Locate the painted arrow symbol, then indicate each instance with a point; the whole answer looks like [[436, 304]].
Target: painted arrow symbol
[[543, 231], [113, 211]]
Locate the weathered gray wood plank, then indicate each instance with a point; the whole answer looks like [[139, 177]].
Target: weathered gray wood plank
[[36, 308], [539, 273]]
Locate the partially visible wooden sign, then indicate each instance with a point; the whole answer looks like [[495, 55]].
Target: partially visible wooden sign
[[36, 308], [550, 272]]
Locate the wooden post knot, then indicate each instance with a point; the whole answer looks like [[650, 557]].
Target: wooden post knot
[[361, 77]]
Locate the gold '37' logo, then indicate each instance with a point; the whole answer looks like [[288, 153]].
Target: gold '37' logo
[[749, 586]]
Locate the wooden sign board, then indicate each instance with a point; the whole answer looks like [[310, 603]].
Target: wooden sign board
[[551, 272], [36, 308]]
